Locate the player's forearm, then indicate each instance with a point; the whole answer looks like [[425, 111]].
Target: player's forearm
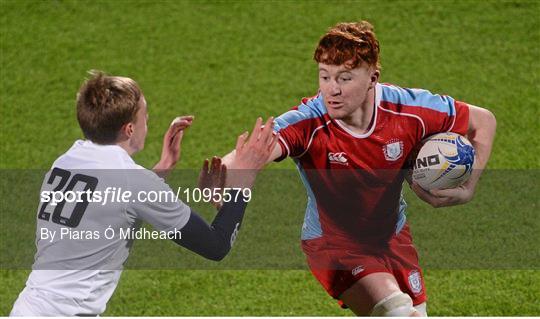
[[229, 158], [163, 169], [214, 241], [244, 178], [237, 178], [481, 135]]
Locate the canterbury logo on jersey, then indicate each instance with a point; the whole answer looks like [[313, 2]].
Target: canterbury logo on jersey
[[338, 158]]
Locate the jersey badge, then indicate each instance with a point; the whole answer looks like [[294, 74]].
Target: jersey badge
[[415, 282], [393, 150]]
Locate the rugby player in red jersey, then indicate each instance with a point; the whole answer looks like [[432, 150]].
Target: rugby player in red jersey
[[351, 144]]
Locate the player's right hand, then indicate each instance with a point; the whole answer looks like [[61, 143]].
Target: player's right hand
[[444, 197], [253, 151], [251, 154], [171, 149]]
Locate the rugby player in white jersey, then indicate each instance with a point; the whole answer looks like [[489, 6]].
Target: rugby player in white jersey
[[78, 276]]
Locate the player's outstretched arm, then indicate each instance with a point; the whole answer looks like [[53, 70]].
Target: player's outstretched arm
[[170, 152], [481, 132], [215, 241]]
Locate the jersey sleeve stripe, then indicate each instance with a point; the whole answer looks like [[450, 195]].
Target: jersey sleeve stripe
[[418, 98], [453, 122], [284, 143], [311, 139], [313, 108]]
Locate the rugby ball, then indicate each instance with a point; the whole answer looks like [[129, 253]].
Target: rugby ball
[[445, 160]]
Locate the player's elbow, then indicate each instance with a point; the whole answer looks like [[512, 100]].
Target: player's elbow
[[483, 119], [436, 204], [220, 250], [219, 255], [218, 258], [489, 119]]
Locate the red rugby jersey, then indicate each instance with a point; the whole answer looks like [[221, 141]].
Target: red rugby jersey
[[354, 181]]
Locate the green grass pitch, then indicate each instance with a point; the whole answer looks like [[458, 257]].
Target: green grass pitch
[[229, 62]]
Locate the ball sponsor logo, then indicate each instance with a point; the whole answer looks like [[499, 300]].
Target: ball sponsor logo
[[427, 161]]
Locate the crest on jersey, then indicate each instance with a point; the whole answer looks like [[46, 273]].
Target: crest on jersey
[[415, 282], [393, 150]]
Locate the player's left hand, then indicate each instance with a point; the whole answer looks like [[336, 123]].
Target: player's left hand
[[444, 197], [213, 176], [170, 153]]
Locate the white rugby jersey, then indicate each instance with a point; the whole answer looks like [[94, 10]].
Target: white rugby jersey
[[78, 276]]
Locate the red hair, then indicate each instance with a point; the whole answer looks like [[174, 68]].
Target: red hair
[[352, 43]]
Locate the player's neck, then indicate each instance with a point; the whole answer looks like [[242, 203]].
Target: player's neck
[[359, 121], [126, 146]]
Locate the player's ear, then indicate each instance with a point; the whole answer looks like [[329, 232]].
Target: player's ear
[[127, 129], [374, 78]]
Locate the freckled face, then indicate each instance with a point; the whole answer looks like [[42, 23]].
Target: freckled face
[[345, 90]]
